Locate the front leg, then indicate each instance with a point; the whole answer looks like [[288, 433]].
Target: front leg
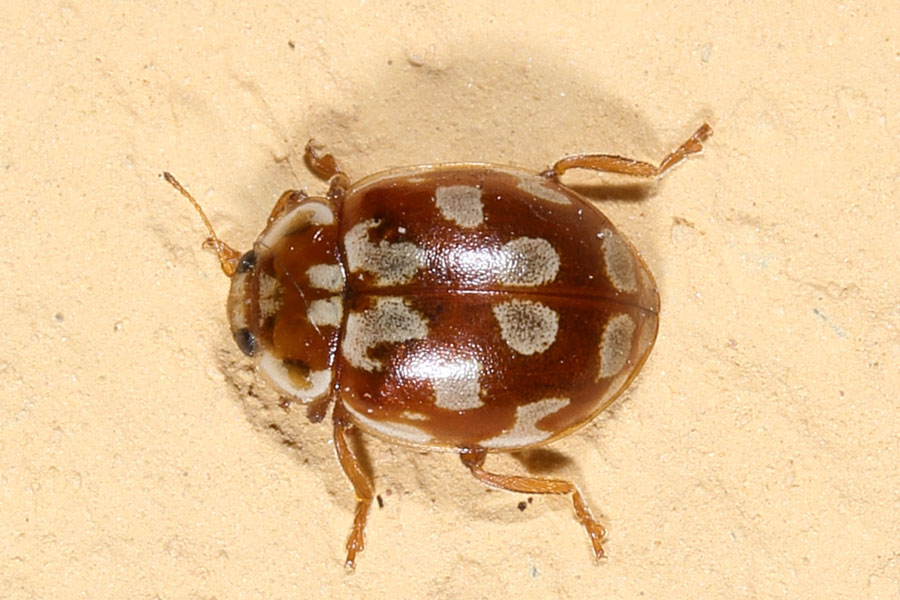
[[326, 167]]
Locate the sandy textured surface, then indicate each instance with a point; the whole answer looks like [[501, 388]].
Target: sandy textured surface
[[757, 454]]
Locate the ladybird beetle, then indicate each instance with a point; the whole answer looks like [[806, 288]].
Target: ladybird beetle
[[468, 307]]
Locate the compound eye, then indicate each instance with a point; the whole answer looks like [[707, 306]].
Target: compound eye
[[246, 262], [246, 341]]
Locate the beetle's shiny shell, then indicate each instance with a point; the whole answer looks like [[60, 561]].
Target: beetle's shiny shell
[[451, 306]]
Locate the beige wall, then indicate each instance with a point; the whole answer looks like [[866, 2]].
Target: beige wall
[[756, 456]]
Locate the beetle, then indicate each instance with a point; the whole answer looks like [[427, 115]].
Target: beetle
[[463, 307]]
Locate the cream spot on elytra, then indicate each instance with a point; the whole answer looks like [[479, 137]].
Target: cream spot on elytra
[[646, 336], [414, 416], [619, 262], [326, 277], [460, 204], [541, 189], [648, 288], [615, 345], [326, 312], [389, 429], [524, 431], [455, 379], [390, 263], [390, 321], [527, 327], [528, 261]]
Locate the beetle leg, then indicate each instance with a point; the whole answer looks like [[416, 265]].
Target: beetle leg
[[326, 167], [228, 256], [473, 458], [323, 165], [315, 410], [627, 166], [361, 484]]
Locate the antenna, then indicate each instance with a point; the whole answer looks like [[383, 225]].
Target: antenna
[[228, 256]]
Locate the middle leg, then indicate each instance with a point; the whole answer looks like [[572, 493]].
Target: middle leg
[[361, 484]]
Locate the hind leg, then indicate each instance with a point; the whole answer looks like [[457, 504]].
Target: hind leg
[[473, 458], [626, 166]]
